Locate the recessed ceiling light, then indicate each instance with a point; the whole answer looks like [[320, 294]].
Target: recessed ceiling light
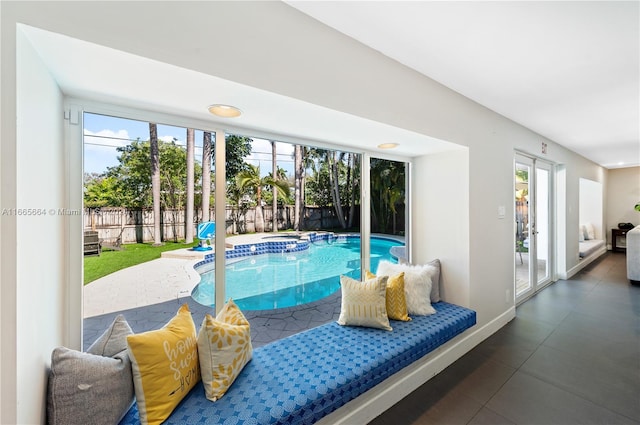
[[225, 111], [387, 145]]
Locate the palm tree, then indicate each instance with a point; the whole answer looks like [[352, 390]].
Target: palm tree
[[154, 153], [188, 233], [298, 188], [250, 180], [387, 191], [206, 174], [332, 158], [353, 185], [274, 202]]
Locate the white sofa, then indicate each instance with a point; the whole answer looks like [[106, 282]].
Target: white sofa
[[633, 255]]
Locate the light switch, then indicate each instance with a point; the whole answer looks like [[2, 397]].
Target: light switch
[[501, 211]]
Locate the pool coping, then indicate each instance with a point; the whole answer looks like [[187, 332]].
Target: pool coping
[[248, 249]]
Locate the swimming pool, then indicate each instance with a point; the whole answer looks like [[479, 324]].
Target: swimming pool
[[286, 279]]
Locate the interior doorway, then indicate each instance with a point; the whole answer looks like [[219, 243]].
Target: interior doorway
[[533, 225]]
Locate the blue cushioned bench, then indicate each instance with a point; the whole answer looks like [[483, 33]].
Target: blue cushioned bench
[[302, 378]]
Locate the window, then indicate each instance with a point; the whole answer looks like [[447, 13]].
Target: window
[[298, 205]]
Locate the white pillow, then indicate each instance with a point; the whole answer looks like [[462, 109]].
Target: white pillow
[[417, 285], [581, 234], [590, 231]]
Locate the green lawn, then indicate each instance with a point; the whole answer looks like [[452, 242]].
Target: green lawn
[[131, 254]]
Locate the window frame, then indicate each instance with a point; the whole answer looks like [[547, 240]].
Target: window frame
[[74, 138]]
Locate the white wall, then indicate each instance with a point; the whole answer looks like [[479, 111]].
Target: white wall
[[623, 192], [591, 208], [8, 279], [297, 57], [561, 218], [440, 214], [574, 171], [41, 271]]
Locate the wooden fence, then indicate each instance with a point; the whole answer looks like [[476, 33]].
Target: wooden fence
[[126, 225]]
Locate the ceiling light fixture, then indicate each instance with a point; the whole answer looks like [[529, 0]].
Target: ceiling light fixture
[[387, 145], [225, 111]]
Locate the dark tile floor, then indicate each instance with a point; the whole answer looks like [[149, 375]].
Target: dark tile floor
[[571, 356], [266, 325]]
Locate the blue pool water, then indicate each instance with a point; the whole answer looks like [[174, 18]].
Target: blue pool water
[[268, 281]]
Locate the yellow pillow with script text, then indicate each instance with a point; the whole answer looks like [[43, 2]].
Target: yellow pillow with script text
[[165, 366]]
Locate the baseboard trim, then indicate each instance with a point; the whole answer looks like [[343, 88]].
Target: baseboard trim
[[582, 264], [377, 400]]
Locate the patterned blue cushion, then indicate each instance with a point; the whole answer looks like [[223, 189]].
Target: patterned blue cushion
[[306, 376]]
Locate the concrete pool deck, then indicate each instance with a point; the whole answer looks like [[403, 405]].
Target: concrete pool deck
[[165, 279], [153, 282], [149, 295], [266, 325]]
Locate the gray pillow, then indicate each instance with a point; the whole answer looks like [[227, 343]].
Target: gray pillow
[[113, 340], [95, 387], [435, 281]]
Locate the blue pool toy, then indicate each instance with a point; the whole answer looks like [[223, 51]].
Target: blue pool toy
[[206, 232]]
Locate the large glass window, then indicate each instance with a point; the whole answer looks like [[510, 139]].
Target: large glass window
[[292, 217], [146, 187], [119, 180], [293, 224], [388, 211]]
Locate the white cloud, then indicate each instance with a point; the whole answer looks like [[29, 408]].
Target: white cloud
[[261, 155], [170, 139]]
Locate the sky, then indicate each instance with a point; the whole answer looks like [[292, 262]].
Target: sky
[[103, 134]]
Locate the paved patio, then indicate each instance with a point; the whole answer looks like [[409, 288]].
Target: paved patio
[[149, 294], [266, 325]]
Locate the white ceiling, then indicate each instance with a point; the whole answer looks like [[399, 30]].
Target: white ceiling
[[567, 70]]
